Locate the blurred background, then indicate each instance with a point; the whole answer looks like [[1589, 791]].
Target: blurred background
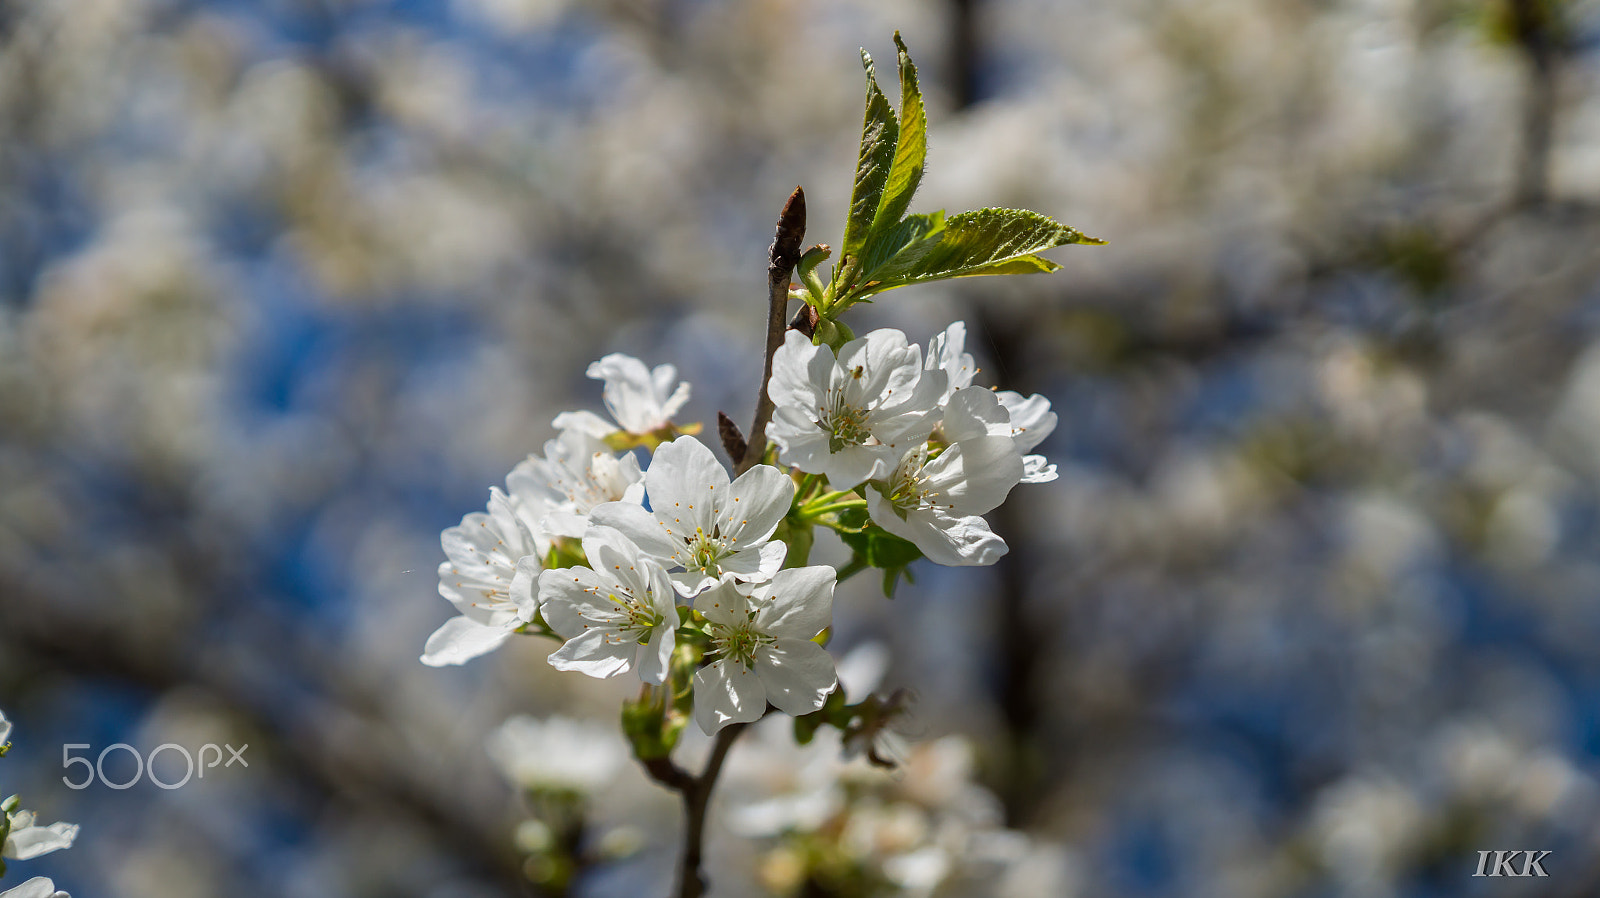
[[1311, 611]]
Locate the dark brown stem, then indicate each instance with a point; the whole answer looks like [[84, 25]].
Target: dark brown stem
[[696, 792], [1534, 29], [782, 258]]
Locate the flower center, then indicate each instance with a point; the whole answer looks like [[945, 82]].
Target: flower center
[[637, 618], [705, 550], [909, 490], [845, 424], [739, 643]]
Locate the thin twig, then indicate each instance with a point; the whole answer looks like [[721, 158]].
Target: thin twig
[[782, 258]]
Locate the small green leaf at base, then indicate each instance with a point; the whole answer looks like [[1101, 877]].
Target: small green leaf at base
[[881, 549]]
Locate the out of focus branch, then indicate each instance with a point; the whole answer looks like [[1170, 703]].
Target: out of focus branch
[[300, 748], [1533, 26]]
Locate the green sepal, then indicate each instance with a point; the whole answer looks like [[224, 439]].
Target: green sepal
[[565, 551], [834, 712], [622, 440], [877, 547], [832, 333], [798, 536], [850, 520], [654, 722], [816, 292]]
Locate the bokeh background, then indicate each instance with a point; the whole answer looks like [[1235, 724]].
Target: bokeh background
[[1311, 611]]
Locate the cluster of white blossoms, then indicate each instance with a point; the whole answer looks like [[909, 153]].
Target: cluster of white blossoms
[[643, 543], [21, 838], [635, 567], [935, 452]]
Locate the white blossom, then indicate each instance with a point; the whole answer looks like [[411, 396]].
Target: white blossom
[[947, 353], [618, 614], [25, 840], [935, 501], [37, 887], [702, 523], [5, 729], [1030, 417], [851, 416], [641, 400], [557, 753], [1031, 421], [494, 559], [576, 473], [763, 649]]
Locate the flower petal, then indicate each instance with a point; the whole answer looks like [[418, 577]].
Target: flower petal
[[852, 465], [974, 476], [723, 604], [792, 385], [754, 505], [525, 587], [629, 394], [460, 640], [945, 539], [639, 526], [946, 352], [797, 603], [573, 599], [654, 656], [1031, 418], [1037, 469], [890, 367], [684, 483], [798, 675], [756, 564], [37, 887], [600, 652], [587, 423], [26, 843], [727, 692], [975, 412]]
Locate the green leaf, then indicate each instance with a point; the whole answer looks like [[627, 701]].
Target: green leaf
[[986, 241], [880, 133], [887, 242], [881, 549], [911, 152]]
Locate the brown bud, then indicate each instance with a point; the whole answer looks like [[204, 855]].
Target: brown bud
[[732, 440], [806, 320], [784, 253]]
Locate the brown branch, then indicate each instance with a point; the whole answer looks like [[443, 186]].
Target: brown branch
[[1533, 25], [783, 255], [696, 792]]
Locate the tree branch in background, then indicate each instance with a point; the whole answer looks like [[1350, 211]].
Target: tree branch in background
[[1533, 26]]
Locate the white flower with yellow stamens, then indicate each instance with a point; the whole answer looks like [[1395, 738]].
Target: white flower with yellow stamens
[[852, 415], [618, 614], [494, 559], [701, 522]]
